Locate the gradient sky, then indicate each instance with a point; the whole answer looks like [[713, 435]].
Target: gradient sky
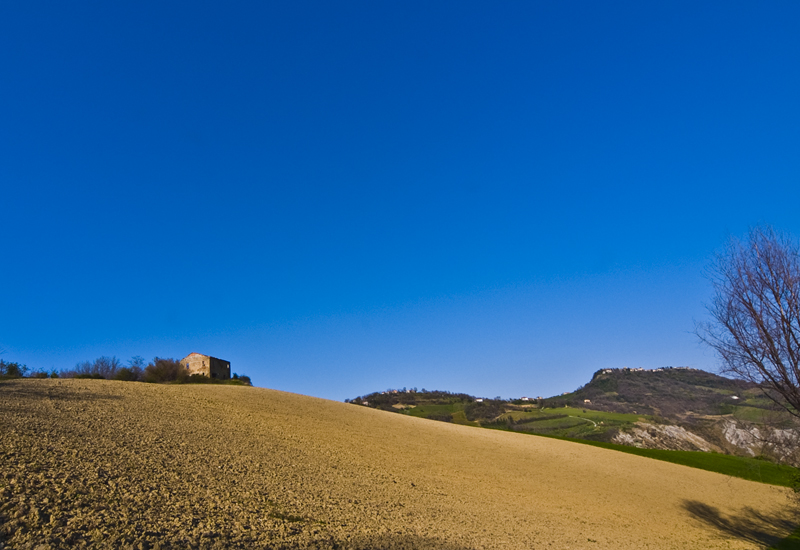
[[340, 197]]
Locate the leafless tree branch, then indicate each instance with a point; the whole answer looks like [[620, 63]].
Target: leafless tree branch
[[755, 326]]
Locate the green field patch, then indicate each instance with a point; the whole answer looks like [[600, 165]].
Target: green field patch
[[752, 414], [459, 417], [540, 418], [551, 424], [600, 418], [758, 401], [582, 431], [597, 416], [424, 411], [568, 422]]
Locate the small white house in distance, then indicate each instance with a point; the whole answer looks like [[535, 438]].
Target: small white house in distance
[[479, 400], [525, 398]]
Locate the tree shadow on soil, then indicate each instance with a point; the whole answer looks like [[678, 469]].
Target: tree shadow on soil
[[748, 524], [22, 388], [402, 542], [23, 396], [374, 542]]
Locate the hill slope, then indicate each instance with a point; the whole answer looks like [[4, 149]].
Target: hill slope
[[670, 409], [114, 463]]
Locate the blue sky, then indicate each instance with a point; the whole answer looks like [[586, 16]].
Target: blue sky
[[496, 198]]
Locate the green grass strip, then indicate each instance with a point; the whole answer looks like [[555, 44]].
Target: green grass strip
[[792, 542]]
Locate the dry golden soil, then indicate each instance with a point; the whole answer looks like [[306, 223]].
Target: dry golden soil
[[130, 465]]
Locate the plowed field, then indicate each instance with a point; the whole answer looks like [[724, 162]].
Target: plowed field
[[122, 464]]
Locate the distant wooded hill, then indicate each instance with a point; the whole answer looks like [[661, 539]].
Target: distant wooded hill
[[669, 408], [667, 392]]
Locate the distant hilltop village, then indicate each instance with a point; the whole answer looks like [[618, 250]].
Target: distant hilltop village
[[628, 369]]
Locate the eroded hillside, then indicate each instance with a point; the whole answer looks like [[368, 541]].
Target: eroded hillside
[[114, 464]]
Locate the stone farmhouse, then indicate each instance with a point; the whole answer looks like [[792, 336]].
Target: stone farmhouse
[[197, 363]]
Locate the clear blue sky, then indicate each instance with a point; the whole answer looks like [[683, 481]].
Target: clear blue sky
[[490, 197]]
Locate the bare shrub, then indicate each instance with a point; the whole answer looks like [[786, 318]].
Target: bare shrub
[[165, 370], [102, 367]]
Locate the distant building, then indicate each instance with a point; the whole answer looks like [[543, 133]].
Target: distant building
[[479, 400], [197, 363], [587, 400], [526, 398]]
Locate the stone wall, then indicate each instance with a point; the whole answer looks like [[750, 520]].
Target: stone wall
[[206, 365]]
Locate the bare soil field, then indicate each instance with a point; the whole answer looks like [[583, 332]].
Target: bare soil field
[[100, 463]]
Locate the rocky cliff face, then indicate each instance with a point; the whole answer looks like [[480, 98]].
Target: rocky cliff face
[[719, 435], [664, 436]]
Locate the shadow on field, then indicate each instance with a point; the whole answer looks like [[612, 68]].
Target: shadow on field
[[749, 524], [34, 389], [403, 542], [26, 396]]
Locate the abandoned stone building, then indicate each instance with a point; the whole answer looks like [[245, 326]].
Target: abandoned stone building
[[197, 363]]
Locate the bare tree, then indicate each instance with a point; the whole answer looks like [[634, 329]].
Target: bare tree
[[755, 312], [102, 367]]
